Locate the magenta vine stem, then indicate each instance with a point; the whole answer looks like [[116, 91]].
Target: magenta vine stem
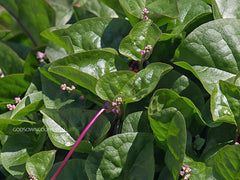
[[77, 142]]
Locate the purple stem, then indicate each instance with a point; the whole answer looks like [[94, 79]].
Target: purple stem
[[77, 142]]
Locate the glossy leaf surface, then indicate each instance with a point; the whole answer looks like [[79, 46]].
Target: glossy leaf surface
[[69, 123], [87, 67], [189, 11], [212, 51], [129, 85], [122, 156], [226, 9], [94, 33]]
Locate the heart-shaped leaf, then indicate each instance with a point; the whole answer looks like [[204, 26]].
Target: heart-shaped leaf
[[129, 85], [40, 164], [144, 33], [212, 52], [226, 9], [122, 156]]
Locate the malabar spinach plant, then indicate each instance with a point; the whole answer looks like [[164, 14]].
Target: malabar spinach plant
[[119, 89]]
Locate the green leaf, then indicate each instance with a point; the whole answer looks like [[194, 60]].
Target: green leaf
[[32, 63], [87, 67], [144, 33], [226, 163], [36, 19], [12, 126], [63, 11], [54, 97], [66, 124], [225, 103], [28, 104], [16, 151], [226, 9], [136, 122], [13, 86], [190, 11], [116, 84], [199, 169], [114, 4], [54, 34], [60, 137], [93, 33], [40, 164], [211, 50], [74, 169], [98, 8], [129, 85], [183, 86], [10, 5], [54, 52], [157, 9], [10, 62], [122, 156], [168, 126], [216, 139], [163, 99]]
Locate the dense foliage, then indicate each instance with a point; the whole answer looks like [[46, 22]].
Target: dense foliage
[[168, 71]]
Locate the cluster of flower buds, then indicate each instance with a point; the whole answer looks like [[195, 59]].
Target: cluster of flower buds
[[144, 13], [185, 172], [32, 177], [146, 52], [41, 56], [116, 105], [12, 106], [64, 87]]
